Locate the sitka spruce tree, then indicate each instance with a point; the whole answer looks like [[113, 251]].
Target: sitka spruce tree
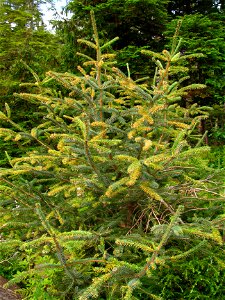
[[117, 190]]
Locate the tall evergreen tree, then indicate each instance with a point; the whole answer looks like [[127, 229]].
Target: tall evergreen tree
[[136, 23], [22, 38], [24, 44]]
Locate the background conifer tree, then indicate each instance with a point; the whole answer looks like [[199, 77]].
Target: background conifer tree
[[24, 44], [23, 37], [205, 34], [116, 18]]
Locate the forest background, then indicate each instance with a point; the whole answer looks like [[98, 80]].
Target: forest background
[[144, 215]]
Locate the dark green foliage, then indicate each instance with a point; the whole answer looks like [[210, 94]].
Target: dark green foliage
[[23, 38], [124, 18], [197, 277], [186, 7], [137, 23], [217, 157]]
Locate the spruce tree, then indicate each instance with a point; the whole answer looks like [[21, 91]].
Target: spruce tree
[[23, 38], [118, 185], [123, 18], [24, 44]]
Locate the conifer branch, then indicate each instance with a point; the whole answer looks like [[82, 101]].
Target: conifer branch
[[162, 243], [59, 249], [17, 126], [17, 188], [90, 160]]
